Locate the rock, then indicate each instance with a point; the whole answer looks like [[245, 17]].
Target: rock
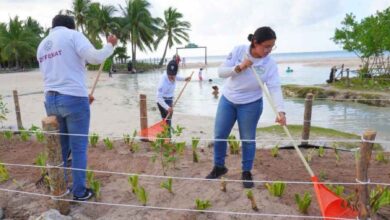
[[52, 214]]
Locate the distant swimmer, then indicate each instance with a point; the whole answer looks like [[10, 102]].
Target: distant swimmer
[[289, 70]]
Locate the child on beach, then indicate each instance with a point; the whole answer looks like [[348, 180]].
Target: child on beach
[[200, 74], [166, 89], [242, 99]]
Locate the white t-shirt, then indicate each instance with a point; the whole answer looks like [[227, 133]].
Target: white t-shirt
[[243, 88], [62, 57], [166, 88]]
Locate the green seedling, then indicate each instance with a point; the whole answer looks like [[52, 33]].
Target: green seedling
[[142, 196], [8, 135], [167, 185], [337, 154], [337, 189], [38, 133], [108, 143], [133, 181], [309, 155], [180, 146], [24, 135], [223, 184], [275, 151], [195, 156], [3, 111], [276, 189], [4, 175], [234, 145], [303, 202], [323, 176], [90, 177], [381, 158], [44, 180], [321, 151], [95, 187], [130, 141], [126, 139], [249, 195], [93, 139], [379, 197], [202, 204]]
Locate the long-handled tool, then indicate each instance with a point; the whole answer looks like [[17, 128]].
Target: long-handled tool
[[97, 78], [152, 131], [330, 204]]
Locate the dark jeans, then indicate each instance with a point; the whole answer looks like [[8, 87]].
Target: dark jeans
[[164, 112], [73, 115]]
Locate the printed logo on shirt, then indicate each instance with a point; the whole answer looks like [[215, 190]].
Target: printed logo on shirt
[[50, 55], [260, 70], [48, 45]]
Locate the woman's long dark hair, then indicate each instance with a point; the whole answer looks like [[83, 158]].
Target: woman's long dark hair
[[261, 34]]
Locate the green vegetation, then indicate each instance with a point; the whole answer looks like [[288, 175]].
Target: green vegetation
[[249, 195], [38, 133], [3, 111], [337, 189], [94, 184], [93, 139], [142, 195], [4, 175], [24, 135], [108, 143], [195, 156], [8, 135], [275, 151], [133, 181], [303, 202], [202, 204], [381, 158], [276, 189], [321, 151], [234, 144], [379, 197], [130, 141], [167, 185]]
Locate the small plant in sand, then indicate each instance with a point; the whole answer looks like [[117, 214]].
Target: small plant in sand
[[4, 175], [323, 176], [223, 184], [44, 180], [180, 146], [321, 151], [8, 135], [133, 181], [202, 204], [130, 141], [381, 158], [309, 155], [379, 197], [24, 135], [336, 189], [165, 149], [195, 156], [275, 151], [94, 184], [303, 202], [276, 189], [93, 139], [249, 195], [167, 185], [142, 195], [3, 111], [108, 143], [38, 133], [234, 144], [337, 154]]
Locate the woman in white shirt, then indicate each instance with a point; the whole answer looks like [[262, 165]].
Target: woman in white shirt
[[242, 99]]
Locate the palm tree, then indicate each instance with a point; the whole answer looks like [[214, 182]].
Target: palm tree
[[100, 20], [80, 9], [173, 28], [139, 24], [18, 43]]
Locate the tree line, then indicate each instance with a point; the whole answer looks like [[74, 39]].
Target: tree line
[[132, 23]]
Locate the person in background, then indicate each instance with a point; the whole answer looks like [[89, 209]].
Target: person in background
[[215, 91], [200, 74], [177, 59], [242, 99], [166, 89], [62, 57]]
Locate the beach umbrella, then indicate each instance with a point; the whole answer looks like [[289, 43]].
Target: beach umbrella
[[151, 132], [331, 205]]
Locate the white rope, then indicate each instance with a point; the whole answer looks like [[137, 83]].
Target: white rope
[[174, 209], [189, 178]]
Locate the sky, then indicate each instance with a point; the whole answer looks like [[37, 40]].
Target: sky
[[300, 25]]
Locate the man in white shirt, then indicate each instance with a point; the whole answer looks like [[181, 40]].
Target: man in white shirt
[[62, 57]]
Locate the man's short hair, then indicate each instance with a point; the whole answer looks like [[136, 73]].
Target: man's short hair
[[172, 68], [63, 20]]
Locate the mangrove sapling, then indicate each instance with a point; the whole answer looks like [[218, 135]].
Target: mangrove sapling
[[44, 180], [3, 111], [90, 177], [8, 135], [93, 139], [337, 154], [381, 158], [167, 185], [202, 204], [126, 139], [275, 151], [276, 189], [180, 146], [379, 197], [303, 202], [195, 156], [223, 184], [38, 133], [95, 186], [321, 151], [337, 189], [309, 155], [134, 147], [142, 196], [234, 145], [323, 176], [108, 143], [24, 135], [249, 195], [4, 175], [133, 181]]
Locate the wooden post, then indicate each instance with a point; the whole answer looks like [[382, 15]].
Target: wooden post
[[307, 119], [17, 109], [143, 113], [56, 173], [362, 164]]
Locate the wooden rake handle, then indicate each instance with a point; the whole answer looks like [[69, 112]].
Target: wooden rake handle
[[97, 78]]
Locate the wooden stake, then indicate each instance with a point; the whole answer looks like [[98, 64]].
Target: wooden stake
[[17, 110], [143, 113], [362, 164], [307, 119], [56, 174]]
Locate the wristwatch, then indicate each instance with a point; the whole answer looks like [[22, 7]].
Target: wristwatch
[[237, 69]]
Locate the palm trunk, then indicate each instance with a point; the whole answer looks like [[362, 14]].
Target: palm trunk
[[165, 53]]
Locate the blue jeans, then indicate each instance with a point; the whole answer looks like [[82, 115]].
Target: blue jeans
[[73, 115], [163, 112], [247, 116]]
